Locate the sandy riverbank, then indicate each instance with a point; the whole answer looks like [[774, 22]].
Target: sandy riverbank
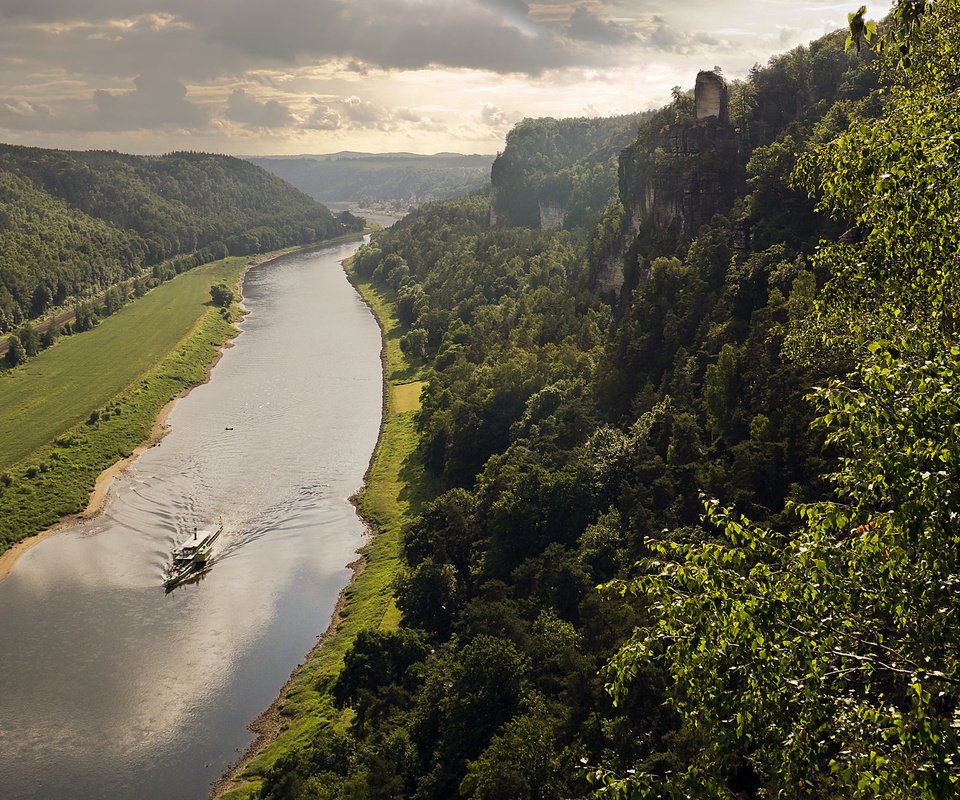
[[160, 429], [98, 496]]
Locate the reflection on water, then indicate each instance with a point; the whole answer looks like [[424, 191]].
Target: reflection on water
[[113, 688]]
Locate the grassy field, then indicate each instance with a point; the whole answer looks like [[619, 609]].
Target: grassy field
[[388, 499], [59, 388], [91, 399]]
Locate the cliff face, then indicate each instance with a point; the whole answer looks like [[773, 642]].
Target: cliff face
[[692, 175], [556, 173], [674, 180]]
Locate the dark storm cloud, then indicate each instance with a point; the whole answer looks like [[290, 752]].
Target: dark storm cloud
[[244, 108], [397, 35], [60, 51], [497, 35], [512, 7], [60, 10]]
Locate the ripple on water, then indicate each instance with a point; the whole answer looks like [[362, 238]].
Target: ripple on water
[[124, 690]]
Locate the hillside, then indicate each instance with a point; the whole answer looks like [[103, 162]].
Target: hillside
[[75, 223], [388, 181], [726, 394], [49, 251], [559, 172]]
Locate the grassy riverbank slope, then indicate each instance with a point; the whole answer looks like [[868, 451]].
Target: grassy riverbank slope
[[305, 707], [91, 399]]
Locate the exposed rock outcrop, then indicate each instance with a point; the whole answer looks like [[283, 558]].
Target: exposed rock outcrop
[[673, 180], [710, 98], [551, 215]]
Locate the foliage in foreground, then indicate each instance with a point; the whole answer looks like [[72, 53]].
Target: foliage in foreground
[[825, 662]]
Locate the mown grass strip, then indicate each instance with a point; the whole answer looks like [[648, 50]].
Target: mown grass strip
[[389, 498]]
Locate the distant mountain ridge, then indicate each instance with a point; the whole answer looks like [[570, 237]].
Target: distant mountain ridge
[[393, 182], [359, 154]]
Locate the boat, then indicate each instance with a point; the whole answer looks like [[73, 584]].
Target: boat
[[190, 556]]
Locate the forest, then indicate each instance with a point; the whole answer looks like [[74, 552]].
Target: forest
[[73, 224], [692, 518]]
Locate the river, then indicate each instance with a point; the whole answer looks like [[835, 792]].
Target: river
[[112, 688]]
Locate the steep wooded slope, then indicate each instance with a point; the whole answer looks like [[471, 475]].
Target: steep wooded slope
[[77, 222], [753, 446]]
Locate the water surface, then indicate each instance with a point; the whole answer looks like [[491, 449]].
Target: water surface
[[113, 688]]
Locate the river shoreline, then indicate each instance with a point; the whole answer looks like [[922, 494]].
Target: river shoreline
[[268, 724], [160, 428], [366, 601]]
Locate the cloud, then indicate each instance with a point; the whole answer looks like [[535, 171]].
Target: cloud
[[22, 115], [157, 101], [660, 35], [357, 115], [403, 34], [363, 113], [381, 70], [587, 26], [104, 35], [497, 118], [351, 113], [244, 108], [324, 118]]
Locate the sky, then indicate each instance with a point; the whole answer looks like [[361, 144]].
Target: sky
[[259, 77]]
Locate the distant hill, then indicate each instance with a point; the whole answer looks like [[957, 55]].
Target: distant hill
[[74, 223], [387, 181]]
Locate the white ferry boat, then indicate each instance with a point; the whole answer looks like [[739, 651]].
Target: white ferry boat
[[190, 556]]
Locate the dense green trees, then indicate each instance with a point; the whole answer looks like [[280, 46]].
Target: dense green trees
[[823, 661], [570, 163], [755, 452], [74, 224]]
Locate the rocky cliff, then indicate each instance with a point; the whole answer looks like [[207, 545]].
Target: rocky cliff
[[674, 178]]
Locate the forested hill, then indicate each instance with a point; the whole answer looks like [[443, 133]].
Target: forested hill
[[76, 222], [554, 172], [751, 445]]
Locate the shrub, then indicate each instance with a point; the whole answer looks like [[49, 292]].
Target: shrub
[[222, 295], [16, 354]]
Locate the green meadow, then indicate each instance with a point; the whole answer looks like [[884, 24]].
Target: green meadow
[[91, 399], [62, 385]]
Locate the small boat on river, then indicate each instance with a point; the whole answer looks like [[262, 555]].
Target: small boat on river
[[190, 556]]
